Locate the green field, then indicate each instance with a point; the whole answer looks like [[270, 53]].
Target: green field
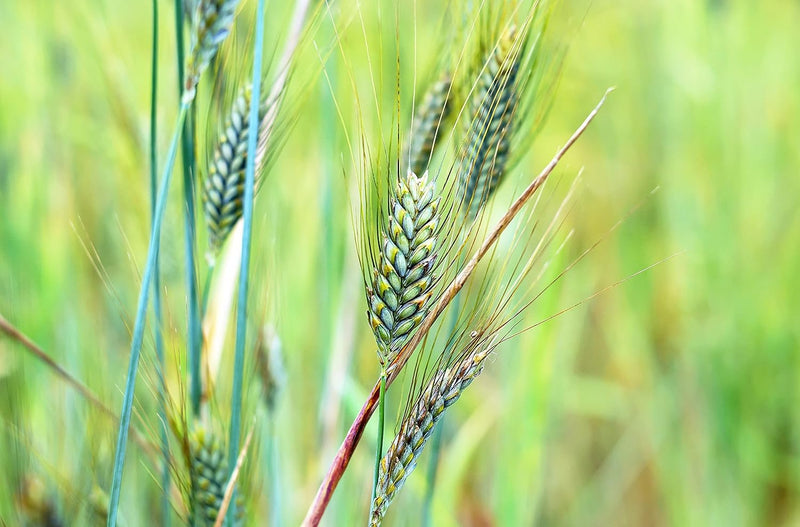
[[666, 393]]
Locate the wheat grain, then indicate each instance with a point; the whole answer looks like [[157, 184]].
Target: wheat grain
[[402, 280]]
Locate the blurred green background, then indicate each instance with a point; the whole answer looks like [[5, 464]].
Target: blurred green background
[[670, 400]]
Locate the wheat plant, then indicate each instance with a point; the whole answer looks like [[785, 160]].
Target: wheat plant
[[422, 236]]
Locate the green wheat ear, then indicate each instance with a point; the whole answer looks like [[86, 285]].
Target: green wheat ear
[[223, 191], [430, 115], [492, 107], [211, 24], [402, 280], [444, 389], [209, 476]]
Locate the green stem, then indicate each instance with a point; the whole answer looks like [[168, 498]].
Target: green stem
[[138, 327], [188, 160], [247, 232], [206, 291], [159, 337], [379, 443]]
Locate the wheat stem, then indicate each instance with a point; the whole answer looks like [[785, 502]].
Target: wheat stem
[[159, 338], [206, 289], [342, 458], [15, 334], [138, 328], [189, 168], [379, 443], [190, 237], [249, 190]]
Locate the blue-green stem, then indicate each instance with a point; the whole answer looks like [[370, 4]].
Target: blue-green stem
[[188, 160], [379, 443], [247, 232], [138, 327], [159, 338]]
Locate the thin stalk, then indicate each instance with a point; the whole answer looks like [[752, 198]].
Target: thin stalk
[[159, 338], [13, 333], [247, 232], [379, 443], [138, 327], [342, 458], [188, 161], [206, 290]]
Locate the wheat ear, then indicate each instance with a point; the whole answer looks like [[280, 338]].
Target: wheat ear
[[224, 186], [444, 389], [402, 281], [427, 123], [492, 107], [342, 458], [209, 475], [211, 24]]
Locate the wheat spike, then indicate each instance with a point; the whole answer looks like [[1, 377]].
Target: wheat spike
[[211, 24], [224, 186], [444, 389], [209, 475], [427, 122], [402, 281], [492, 107], [270, 365], [35, 505]]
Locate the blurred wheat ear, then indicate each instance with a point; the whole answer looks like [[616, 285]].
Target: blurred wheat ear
[[492, 107], [444, 389], [211, 23], [425, 133], [223, 191], [35, 504], [209, 475], [402, 279]]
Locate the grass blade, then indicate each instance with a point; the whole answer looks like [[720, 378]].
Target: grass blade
[[247, 218], [138, 328], [159, 338], [188, 161]]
